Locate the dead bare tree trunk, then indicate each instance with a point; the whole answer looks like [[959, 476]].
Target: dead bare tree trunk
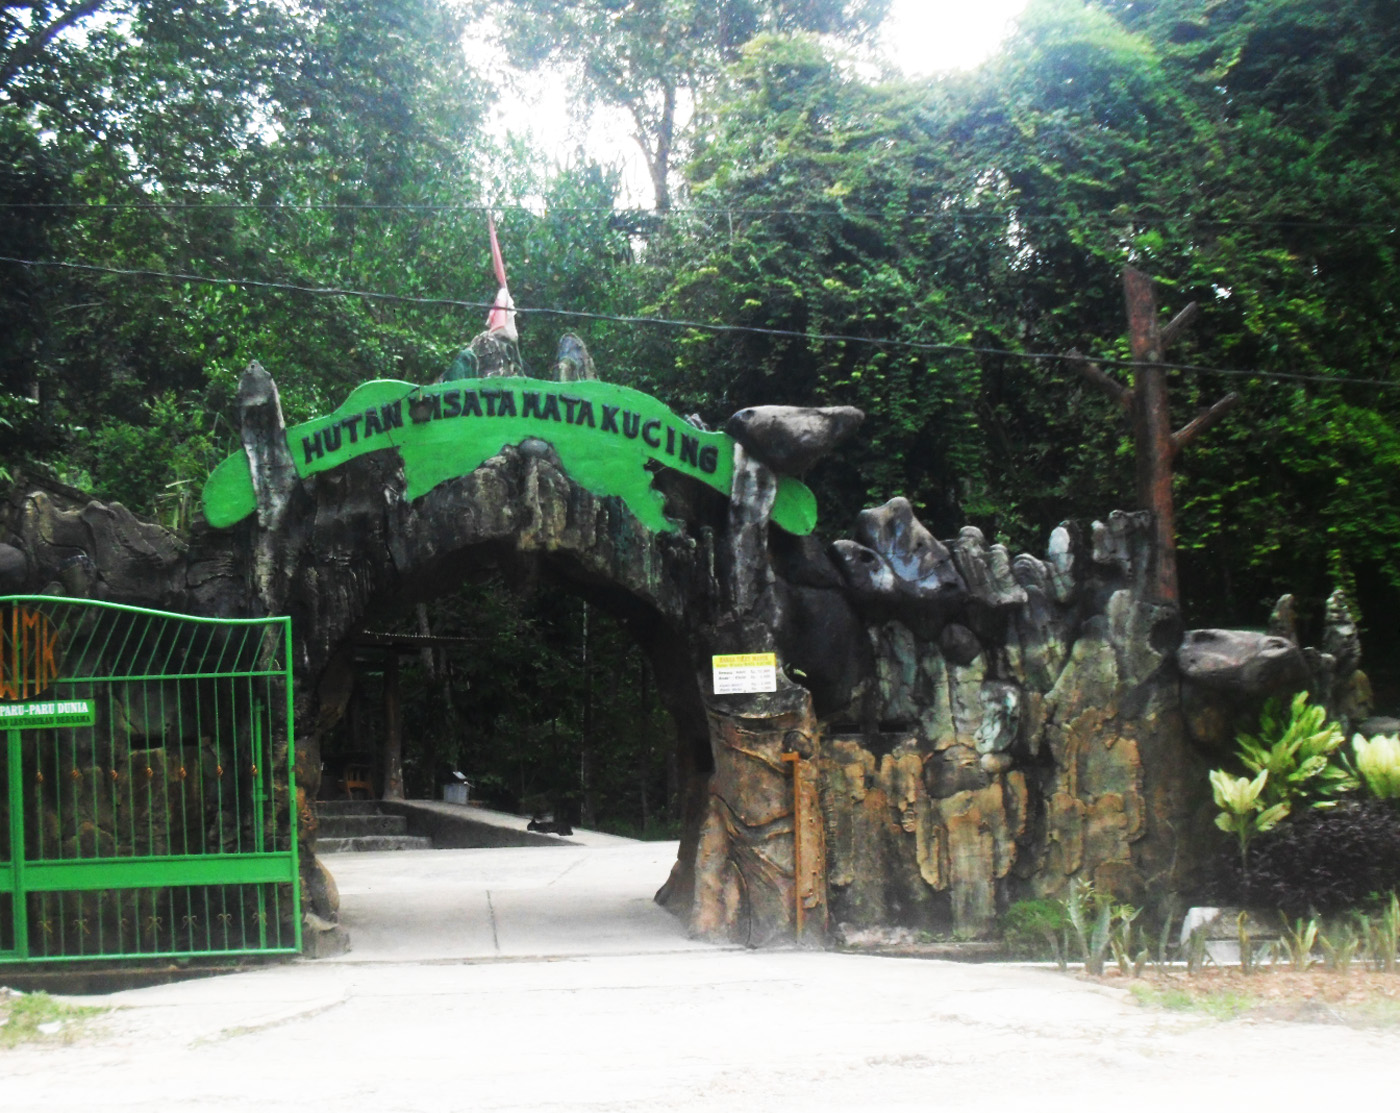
[[1149, 414]]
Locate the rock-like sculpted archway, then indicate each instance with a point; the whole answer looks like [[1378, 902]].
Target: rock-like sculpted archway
[[950, 728]]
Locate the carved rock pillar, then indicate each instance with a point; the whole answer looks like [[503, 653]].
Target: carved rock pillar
[[755, 858]]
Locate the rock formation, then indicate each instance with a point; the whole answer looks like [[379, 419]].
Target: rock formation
[[790, 439]]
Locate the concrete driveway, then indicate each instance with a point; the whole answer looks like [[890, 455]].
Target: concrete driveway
[[591, 896], [543, 979]]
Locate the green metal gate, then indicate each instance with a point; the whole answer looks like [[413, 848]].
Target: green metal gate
[[147, 797]]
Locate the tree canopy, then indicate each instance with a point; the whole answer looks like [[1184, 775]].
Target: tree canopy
[[994, 213], [648, 57]]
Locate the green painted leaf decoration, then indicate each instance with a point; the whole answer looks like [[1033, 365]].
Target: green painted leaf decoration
[[608, 438]]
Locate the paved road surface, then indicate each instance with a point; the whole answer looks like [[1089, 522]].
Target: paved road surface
[[592, 898], [544, 980]]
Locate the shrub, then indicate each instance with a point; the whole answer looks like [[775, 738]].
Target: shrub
[[1242, 813], [1320, 862], [1035, 929], [1299, 753]]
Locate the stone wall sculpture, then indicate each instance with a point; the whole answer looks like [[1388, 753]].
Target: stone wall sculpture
[[957, 727], [1027, 726]]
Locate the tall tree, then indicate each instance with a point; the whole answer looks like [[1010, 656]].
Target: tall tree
[[1295, 237], [250, 140], [809, 187], [648, 57]]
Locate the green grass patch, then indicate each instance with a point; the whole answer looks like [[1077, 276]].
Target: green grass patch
[[1219, 1004], [38, 1018], [1364, 999], [1379, 1012]]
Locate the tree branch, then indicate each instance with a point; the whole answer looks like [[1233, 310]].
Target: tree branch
[[1095, 374], [1174, 327], [658, 155], [35, 44], [1203, 421]]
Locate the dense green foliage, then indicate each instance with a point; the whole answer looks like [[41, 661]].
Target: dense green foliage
[[997, 211], [192, 139], [936, 247]]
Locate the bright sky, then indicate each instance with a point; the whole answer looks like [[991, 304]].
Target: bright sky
[[921, 37], [927, 36]]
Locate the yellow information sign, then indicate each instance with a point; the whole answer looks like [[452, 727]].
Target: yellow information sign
[[745, 673]]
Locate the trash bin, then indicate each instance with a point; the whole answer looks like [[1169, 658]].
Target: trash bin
[[457, 790]]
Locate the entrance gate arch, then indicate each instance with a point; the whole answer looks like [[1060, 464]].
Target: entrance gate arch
[[945, 728], [334, 546]]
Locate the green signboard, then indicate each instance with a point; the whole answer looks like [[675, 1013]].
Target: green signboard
[[47, 714], [606, 436]]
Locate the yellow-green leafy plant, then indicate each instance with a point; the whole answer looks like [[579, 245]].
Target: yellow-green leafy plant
[[1339, 947], [1090, 913], [1196, 951], [1378, 762], [1298, 940], [1031, 924], [1300, 754], [1100, 925], [1130, 961], [1242, 810], [1383, 933], [1248, 963], [1164, 936]]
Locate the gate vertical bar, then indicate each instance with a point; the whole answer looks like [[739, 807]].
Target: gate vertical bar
[[256, 735], [292, 808], [18, 905]]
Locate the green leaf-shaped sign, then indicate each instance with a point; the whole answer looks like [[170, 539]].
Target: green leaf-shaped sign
[[605, 435]]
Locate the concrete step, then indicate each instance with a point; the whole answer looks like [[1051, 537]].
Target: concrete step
[[372, 843], [354, 826], [347, 807], [359, 825]]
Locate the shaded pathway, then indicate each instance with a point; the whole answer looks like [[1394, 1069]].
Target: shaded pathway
[[591, 895]]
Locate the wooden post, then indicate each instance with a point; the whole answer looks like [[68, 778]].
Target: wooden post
[[587, 816], [393, 730], [1150, 416], [795, 759]]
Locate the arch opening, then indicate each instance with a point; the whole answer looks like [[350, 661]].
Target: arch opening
[[552, 694]]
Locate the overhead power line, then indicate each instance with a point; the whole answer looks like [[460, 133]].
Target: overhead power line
[[667, 322], [941, 215]]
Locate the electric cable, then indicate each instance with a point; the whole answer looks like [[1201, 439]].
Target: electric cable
[[1015, 214], [699, 326]]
